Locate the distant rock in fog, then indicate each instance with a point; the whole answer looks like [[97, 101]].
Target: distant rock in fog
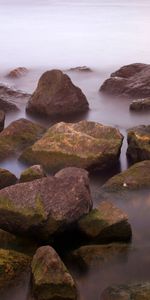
[[56, 95], [17, 73], [131, 81]]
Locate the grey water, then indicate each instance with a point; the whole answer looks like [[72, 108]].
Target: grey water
[[103, 35]]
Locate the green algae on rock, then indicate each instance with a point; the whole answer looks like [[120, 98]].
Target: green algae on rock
[[45, 206], [135, 291], [17, 136], [6, 178], [139, 143], [104, 224], [12, 264], [85, 144], [51, 279], [32, 173]]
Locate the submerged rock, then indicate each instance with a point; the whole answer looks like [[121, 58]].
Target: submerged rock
[[139, 143], [32, 173], [46, 206], [7, 106], [17, 136], [140, 104], [81, 69], [10, 97], [51, 279], [107, 223], [99, 254], [2, 119], [84, 144], [6, 178], [132, 81], [17, 73], [135, 178], [12, 264], [135, 291], [56, 95]]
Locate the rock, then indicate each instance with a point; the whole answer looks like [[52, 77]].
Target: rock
[[12, 264], [81, 69], [135, 178], [6, 178], [10, 97], [140, 104], [17, 136], [135, 291], [32, 173], [2, 119], [17, 73], [51, 279], [84, 144], [131, 81], [107, 223], [139, 143], [45, 206], [95, 255], [56, 95]]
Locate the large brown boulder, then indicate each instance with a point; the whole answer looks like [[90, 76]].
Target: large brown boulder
[[46, 206], [51, 279], [132, 81], [17, 136], [6, 178], [135, 291], [2, 119], [139, 143], [84, 144], [56, 95]]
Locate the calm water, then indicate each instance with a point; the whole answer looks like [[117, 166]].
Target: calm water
[[103, 35]]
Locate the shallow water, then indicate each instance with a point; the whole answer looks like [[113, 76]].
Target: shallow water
[[103, 35]]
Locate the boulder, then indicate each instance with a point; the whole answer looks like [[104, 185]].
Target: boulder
[[107, 223], [12, 264], [135, 291], [131, 81], [45, 206], [32, 173], [96, 255], [140, 104], [85, 144], [6, 178], [56, 95], [2, 119], [135, 178], [81, 69], [17, 136], [17, 73], [10, 97], [139, 143], [51, 279]]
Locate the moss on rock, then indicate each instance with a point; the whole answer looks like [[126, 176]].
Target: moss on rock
[[6, 178], [32, 173]]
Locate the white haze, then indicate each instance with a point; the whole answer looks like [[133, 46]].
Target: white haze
[[98, 33]]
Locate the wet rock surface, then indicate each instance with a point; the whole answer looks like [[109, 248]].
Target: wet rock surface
[[6, 178], [17, 136], [107, 223], [137, 291], [46, 206], [56, 95], [2, 120], [10, 98], [84, 144], [131, 81], [139, 143], [140, 105], [51, 279], [32, 173]]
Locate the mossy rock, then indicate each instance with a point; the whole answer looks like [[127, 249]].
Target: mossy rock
[[107, 223], [12, 264], [6, 178], [85, 144], [32, 173], [135, 291], [17, 136], [137, 177], [2, 119], [51, 279], [139, 143]]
